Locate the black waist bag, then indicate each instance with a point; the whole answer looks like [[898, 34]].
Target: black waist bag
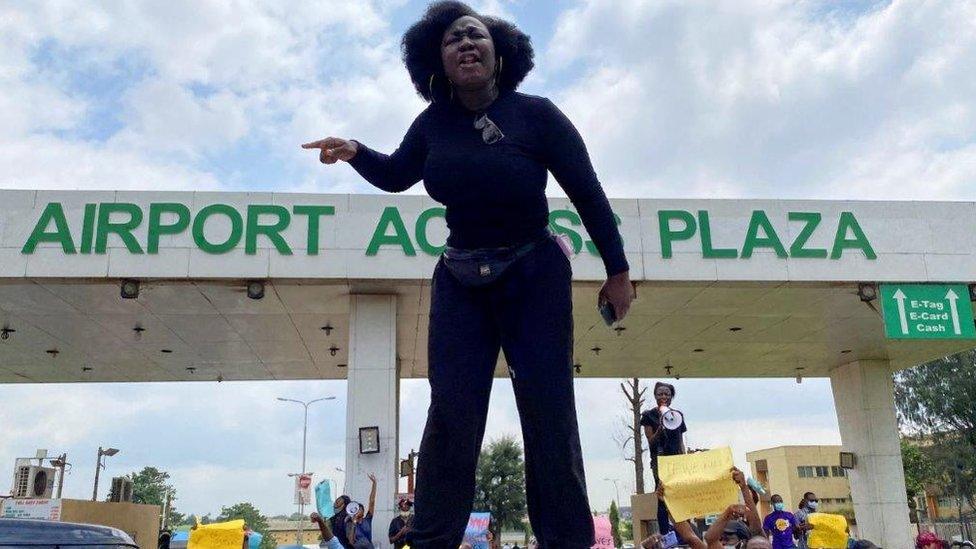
[[480, 267]]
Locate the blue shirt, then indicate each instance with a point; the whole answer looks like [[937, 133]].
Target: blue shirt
[[780, 524], [364, 529]]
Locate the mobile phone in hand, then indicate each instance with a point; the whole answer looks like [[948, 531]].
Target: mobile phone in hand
[[607, 311], [669, 540]]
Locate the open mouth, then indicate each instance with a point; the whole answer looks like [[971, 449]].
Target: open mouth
[[469, 60]]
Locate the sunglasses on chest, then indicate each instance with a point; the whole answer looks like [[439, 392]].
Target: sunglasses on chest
[[490, 133]]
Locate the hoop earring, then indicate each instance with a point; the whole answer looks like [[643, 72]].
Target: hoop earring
[[498, 72], [430, 87]]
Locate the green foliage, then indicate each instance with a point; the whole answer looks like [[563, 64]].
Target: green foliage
[[615, 524], [500, 483], [252, 518], [935, 403], [150, 486], [627, 530], [919, 469]]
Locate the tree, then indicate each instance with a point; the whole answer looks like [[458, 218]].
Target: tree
[[615, 524], [935, 403], [150, 487], [627, 530], [252, 518], [634, 432], [919, 469], [500, 483]]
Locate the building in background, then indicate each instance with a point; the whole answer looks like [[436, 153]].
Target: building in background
[[284, 532], [791, 471]]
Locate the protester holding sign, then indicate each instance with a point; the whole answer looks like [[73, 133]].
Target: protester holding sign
[[337, 522], [808, 505]]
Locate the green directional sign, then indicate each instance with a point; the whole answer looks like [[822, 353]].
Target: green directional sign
[[927, 311]]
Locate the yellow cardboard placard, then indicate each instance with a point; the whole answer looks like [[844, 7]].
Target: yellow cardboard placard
[[829, 531], [699, 484], [220, 535]]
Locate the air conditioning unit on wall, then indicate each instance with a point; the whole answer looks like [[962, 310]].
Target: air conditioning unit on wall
[[121, 490], [33, 482]]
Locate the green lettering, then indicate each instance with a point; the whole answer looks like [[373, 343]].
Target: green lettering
[[236, 229], [753, 240], [123, 229], [88, 228], [391, 216], [859, 241], [574, 219], [61, 234], [812, 220], [420, 231], [705, 233], [591, 246], [668, 236], [157, 229], [273, 231], [313, 213]]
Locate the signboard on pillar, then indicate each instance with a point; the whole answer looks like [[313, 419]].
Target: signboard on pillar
[[927, 311]]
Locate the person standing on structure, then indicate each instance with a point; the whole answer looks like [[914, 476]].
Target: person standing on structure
[[503, 282], [662, 440]]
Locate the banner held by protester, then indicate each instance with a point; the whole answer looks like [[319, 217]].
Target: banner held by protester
[[699, 484]]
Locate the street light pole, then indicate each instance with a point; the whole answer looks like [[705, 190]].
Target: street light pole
[[98, 469], [616, 488], [305, 405], [108, 452]]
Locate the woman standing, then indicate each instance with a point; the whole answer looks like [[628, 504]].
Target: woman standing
[[662, 442], [483, 150]]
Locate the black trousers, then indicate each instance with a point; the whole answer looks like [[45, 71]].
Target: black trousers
[[527, 313], [663, 518]]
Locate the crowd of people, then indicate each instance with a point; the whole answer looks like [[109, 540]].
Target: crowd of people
[[739, 526]]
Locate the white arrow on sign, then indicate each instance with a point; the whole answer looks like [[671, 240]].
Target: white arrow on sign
[[900, 298], [952, 297]]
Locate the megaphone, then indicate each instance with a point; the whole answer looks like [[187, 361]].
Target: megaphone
[[671, 419]]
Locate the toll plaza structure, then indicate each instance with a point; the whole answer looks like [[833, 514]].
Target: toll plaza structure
[[178, 286]]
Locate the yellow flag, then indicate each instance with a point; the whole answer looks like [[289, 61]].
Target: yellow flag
[[829, 531], [219, 535], [700, 484]]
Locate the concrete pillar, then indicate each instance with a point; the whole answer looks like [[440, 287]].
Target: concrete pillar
[[864, 398], [373, 400]]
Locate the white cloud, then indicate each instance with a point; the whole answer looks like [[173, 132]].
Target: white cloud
[[773, 98]]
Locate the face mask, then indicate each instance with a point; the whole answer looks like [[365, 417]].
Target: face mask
[[779, 506], [404, 514], [812, 505]]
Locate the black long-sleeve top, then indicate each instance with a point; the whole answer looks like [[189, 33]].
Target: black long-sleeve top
[[494, 194]]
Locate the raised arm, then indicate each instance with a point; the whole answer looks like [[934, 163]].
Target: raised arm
[[567, 158], [372, 496], [323, 524], [713, 537], [392, 173], [751, 515]]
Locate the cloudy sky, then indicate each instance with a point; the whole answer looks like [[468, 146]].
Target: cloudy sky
[[752, 98]]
